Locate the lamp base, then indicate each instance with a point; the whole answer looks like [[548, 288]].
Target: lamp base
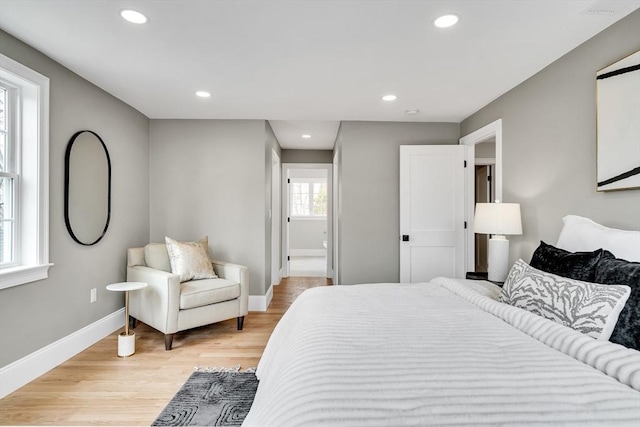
[[498, 258]]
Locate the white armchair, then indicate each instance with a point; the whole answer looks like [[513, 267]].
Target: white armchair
[[170, 306]]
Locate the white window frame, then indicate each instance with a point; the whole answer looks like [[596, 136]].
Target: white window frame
[[31, 127], [309, 181]]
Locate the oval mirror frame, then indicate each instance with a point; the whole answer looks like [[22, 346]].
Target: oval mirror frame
[[67, 188]]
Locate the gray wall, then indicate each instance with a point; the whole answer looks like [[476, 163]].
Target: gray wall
[[208, 178], [486, 150], [36, 314], [307, 156], [549, 142], [369, 201], [307, 234]]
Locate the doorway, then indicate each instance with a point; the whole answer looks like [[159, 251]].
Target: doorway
[[485, 178], [485, 160], [276, 270], [483, 194], [308, 208]]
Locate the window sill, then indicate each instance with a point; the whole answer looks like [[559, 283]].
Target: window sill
[[20, 275], [309, 218]]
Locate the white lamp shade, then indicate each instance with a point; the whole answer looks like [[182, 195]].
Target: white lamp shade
[[498, 218]]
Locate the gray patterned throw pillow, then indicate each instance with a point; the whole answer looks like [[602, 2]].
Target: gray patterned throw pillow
[[590, 308]]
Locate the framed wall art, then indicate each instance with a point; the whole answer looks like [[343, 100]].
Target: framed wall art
[[618, 124]]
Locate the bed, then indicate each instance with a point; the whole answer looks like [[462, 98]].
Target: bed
[[447, 352]]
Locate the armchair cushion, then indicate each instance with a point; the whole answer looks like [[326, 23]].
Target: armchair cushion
[[190, 260], [197, 293], [157, 257]]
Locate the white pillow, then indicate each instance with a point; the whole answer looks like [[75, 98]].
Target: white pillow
[[581, 234], [190, 260], [590, 308]]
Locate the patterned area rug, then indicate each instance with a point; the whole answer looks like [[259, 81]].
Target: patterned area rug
[[211, 399]]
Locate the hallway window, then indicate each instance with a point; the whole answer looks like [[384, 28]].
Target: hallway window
[[308, 199]]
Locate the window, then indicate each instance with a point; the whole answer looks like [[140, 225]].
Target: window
[[8, 181], [308, 198], [24, 174]]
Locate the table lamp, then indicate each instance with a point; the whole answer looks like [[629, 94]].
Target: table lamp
[[498, 219]]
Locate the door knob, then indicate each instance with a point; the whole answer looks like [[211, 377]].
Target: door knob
[[405, 237]]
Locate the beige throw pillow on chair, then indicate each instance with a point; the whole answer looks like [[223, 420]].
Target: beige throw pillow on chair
[[190, 260]]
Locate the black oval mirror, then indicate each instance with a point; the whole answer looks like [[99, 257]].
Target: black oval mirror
[[87, 188]]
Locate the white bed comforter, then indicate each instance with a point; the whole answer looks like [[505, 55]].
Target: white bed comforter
[[444, 352]]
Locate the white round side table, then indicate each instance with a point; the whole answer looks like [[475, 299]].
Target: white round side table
[[126, 340]]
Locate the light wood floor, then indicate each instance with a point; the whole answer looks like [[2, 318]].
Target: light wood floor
[[98, 388]]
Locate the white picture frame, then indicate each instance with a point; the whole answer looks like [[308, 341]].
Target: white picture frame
[[618, 125]]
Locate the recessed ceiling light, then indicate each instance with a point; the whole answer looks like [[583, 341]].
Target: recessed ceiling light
[[203, 94], [446, 21], [306, 136], [389, 98], [133, 16], [412, 112]]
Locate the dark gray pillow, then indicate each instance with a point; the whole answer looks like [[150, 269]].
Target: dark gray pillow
[[615, 271], [574, 265]]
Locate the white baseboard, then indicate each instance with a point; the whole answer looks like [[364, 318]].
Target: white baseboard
[[22, 371], [307, 252], [261, 302], [279, 278]]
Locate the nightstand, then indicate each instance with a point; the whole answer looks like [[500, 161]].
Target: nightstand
[[481, 276]]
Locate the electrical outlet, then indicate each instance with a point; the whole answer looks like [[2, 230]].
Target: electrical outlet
[[94, 295]]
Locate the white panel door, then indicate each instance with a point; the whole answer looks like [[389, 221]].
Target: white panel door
[[432, 208]]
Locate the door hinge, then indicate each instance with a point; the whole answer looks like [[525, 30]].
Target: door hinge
[[288, 181], [465, 163], [288, 219], [465, 225], [489, 178], [288, 258]]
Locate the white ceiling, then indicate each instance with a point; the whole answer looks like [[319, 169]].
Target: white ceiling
[[323, 134], [307, 60]]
